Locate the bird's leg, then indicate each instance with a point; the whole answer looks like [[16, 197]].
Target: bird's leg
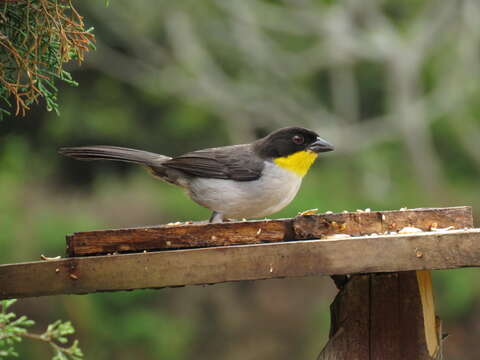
[[216, 217]]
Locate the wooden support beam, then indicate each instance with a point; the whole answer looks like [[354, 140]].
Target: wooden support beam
[[265, 231], [366, 254], [384, 316]]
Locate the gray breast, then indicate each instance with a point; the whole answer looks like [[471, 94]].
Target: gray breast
[[274, 190]]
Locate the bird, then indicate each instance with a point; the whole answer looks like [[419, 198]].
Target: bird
[[243, 181]]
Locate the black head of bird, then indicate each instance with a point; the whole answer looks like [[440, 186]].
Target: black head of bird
[[290, 140]]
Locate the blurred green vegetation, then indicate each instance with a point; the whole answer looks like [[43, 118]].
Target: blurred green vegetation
[[240, 71]]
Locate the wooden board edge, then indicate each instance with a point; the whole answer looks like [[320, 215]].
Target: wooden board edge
[[369, 254]]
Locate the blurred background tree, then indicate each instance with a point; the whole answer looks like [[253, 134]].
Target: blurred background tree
[[394, 85]]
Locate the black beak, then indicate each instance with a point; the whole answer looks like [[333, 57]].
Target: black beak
[[320, 145]]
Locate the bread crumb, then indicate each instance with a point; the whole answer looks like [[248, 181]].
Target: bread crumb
[[46, 258], [308, 212], [336, 236], [409, 230], [443, 229]]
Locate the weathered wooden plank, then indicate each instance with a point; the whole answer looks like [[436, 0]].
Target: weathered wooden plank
[[178, 236], [379, 222], [254, 232], [378, 317], [386, 253], [386, 325]]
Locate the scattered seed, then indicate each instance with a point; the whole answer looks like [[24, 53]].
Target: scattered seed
[[308, 212], [443, 229], [43, 257]]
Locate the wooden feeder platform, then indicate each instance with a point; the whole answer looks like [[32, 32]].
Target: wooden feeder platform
[[380, 260]]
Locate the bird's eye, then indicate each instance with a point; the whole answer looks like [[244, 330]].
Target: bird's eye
[[298, 139]]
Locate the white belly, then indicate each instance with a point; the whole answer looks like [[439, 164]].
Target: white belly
[[247, 199]]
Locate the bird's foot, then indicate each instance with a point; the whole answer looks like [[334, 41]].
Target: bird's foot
[[216, 218]]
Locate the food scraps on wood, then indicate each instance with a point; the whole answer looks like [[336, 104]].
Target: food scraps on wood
[[309, 212], [46, 258]]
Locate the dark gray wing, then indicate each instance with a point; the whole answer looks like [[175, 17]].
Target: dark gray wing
[[237, 162]]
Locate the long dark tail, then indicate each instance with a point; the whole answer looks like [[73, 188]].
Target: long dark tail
[[115, 153]]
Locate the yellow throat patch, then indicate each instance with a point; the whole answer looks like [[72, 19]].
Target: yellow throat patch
[[298, 162]]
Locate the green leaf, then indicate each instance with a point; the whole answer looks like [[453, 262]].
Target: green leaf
[[12, 331]]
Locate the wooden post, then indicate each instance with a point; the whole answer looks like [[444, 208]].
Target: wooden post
[[384, 316]]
